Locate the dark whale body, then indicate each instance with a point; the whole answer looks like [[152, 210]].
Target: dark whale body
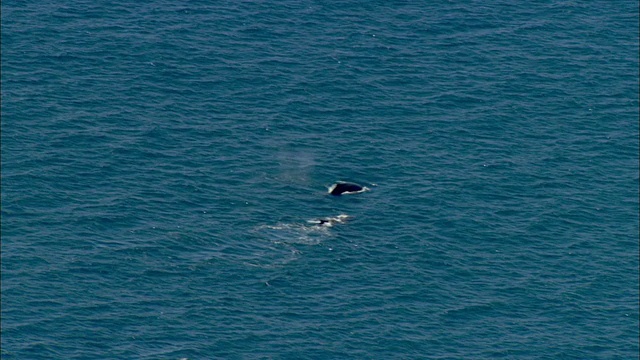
[[346, 188]]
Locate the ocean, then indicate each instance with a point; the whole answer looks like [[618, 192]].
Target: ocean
[[165, 168]]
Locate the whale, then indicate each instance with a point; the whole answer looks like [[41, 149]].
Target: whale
[[330, 221], [346, 188]]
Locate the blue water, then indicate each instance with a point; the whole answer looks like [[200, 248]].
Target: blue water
[[161, 163]]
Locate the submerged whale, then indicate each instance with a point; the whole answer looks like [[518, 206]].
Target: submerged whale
[[346, 188]]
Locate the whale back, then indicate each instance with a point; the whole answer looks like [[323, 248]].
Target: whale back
[[345, 187]]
